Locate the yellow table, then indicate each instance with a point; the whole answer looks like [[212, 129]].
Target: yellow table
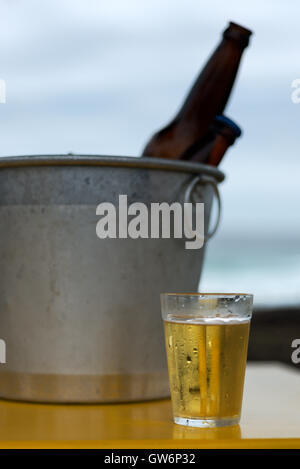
[[271, 419]]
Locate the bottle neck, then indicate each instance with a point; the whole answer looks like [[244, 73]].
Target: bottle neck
[[212, 88], [211, 148], [218, 150]]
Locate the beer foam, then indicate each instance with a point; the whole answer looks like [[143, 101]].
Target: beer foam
[[229, 319]]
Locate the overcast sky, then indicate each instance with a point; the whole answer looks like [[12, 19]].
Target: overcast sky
[[100, 76]]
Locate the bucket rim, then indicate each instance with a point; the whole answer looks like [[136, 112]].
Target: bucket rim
[[72, 159]]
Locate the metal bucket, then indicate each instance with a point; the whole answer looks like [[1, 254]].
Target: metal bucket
[[80, 316]]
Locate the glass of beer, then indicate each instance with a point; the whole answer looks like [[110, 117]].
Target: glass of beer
[[206, 339]]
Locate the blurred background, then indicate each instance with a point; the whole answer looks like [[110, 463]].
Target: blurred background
[[98, 77]]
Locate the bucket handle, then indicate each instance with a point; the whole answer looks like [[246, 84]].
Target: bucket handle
[[205, 181]]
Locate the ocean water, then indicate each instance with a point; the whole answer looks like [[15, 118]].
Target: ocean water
[[268, 268]]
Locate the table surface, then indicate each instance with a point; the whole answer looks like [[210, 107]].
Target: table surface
[[271, 419]]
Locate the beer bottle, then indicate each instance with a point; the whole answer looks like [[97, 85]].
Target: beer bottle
[[211, 148], [207, 98]]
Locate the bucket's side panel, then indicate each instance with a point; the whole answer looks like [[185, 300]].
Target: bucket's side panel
[[80, 315]]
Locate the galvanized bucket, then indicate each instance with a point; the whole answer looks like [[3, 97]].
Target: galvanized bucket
[[80, 316]]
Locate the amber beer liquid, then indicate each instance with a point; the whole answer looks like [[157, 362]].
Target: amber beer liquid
[[206, 368], [206, 338]]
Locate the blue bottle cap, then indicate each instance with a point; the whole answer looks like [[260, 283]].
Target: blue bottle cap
[[226, 122]]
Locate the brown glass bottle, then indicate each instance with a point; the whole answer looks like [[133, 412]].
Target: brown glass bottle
[[207, 98], [211, 148]]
